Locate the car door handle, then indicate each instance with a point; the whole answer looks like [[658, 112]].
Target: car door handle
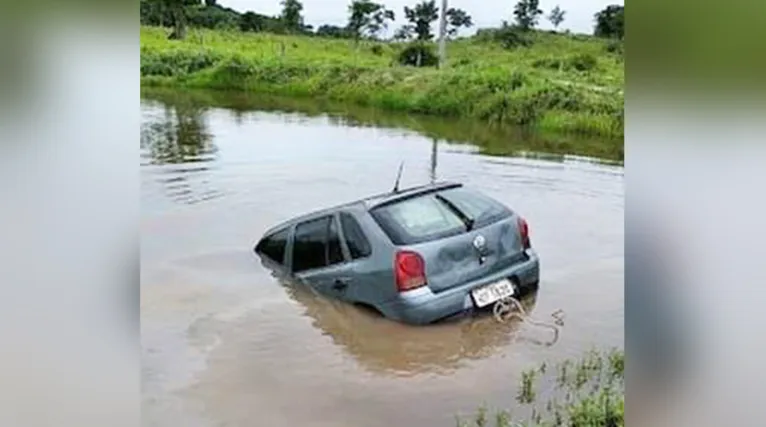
[[340, 283]]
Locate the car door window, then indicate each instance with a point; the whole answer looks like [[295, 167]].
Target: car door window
[[273, 246], [334, 251], [316, 244], [358, 245]]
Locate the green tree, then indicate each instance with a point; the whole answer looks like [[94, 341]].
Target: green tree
[[255, 22], [556, 17], [421, 17], [368, 18], [332, 31], [457, 18], [527, 13], [179, 11], [610, 22], [291, 15], [154, 12], [404, 32], [214, 16], [251, 21]]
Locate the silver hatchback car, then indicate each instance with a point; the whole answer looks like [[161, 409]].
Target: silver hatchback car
[[416, 255]]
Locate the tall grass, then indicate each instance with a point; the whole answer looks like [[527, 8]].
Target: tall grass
[[560, 83]]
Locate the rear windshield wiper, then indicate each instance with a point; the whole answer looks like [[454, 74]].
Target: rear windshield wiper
[[468, 221]]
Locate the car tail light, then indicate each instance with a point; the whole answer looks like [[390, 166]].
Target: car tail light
[[524, 232], [410, 270]]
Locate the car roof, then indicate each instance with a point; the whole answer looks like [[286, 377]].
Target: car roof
[[391, 197], [370, 202]]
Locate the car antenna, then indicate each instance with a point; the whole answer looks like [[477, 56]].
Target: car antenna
[[398, 177]]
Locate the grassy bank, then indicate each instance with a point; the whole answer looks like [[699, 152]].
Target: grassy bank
[[567, 84], [589, 391]]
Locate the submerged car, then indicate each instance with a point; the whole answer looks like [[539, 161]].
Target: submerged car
[[416, 255]]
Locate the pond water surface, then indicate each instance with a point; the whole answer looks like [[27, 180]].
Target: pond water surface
[[225, 344]]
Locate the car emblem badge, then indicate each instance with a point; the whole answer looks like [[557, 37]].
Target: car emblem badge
[[479, 242]]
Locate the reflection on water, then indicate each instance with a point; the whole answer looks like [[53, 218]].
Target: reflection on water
[[176, 136], [386, 347], [489, 139]]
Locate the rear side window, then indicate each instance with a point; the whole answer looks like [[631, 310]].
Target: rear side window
[[316, 244], [273, 246], [358, 245], [437, 215]]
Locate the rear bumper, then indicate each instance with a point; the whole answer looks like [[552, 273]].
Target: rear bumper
[[422, 306]]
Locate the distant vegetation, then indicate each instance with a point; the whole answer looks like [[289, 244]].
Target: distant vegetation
[[588, 392], [513, 74], [366, 19]]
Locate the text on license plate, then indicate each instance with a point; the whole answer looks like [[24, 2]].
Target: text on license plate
[[491, 293]]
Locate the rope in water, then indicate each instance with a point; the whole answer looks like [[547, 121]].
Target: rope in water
[[503, 311]]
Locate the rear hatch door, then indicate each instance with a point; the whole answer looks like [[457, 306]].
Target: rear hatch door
[[461, 234]]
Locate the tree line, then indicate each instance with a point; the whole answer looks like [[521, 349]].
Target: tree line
[[366, 19]]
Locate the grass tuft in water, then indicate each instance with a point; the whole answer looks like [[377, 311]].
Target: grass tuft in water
[[527, 391], [592, 387]]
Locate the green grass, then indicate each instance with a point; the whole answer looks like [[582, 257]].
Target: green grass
[[566, 84], [587, 392]]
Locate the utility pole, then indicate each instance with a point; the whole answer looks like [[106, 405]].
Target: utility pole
[[443, 35]]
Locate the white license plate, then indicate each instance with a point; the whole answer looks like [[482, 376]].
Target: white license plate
[[491, 293]]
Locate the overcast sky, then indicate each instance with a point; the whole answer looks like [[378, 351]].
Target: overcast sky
[[578, 18]]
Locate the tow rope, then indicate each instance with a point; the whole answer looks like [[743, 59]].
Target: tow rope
[[508, 308]]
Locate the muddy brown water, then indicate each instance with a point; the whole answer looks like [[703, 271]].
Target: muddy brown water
[[225, 344]]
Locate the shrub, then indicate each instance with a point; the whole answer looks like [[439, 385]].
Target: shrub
[[580, 37], [527, 112], [559, 98], [582, 62], [518, 79], [507, 36], [377, 50], [579, 62], [462, 62], [238, 68], [176, 63], [500, 109], [484, 35], [511, 38], [615, 47], [418, 55], [549, 63]]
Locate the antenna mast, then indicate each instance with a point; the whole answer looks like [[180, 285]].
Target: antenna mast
[[398, 177]]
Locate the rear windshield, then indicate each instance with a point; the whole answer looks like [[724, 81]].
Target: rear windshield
[[437, 215]]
